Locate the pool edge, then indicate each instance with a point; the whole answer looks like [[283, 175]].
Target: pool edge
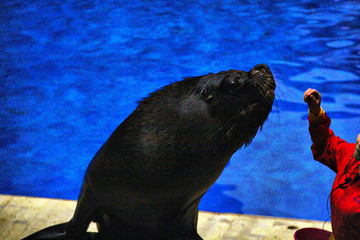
[[21, 216]]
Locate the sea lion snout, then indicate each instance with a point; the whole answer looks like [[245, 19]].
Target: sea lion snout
[[261, 75], [261, 68]]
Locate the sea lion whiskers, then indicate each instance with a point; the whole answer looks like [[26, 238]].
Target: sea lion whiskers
[[264, 91]]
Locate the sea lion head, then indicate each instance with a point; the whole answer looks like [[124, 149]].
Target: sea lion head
[[224, 110], [241, 100]]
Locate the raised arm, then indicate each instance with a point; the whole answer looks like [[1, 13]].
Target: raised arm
[[326, 148]]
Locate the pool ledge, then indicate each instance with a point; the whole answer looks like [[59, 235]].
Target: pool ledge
[[21, 216]]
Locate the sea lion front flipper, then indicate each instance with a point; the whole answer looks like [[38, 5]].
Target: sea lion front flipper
[[53, 232], [76, 228], [57, 232]]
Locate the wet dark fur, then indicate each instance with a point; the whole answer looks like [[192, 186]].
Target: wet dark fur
[[148, 178]]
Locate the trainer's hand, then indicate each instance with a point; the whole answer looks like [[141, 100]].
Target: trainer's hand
[[313, 98]]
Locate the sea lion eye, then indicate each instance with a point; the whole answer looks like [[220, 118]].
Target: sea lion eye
[[231, 84]]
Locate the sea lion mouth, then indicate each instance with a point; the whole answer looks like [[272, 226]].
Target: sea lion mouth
[[270, 94]]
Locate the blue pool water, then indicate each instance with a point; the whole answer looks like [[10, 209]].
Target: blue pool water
[[72, 71]]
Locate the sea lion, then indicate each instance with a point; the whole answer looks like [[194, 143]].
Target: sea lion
[[148, 178]]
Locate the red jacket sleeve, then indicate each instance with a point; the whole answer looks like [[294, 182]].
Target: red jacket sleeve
[[327, 148]]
